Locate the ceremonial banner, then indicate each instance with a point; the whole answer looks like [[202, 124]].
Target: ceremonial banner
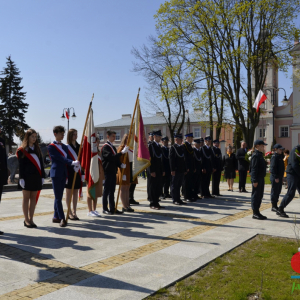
[[260, 99], [138, 144], [89, 158]]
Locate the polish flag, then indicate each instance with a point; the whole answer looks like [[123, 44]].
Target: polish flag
[[67, 115], [260, 99], [89, 157]]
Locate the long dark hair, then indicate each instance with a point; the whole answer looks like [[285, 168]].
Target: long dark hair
[[25, 143]]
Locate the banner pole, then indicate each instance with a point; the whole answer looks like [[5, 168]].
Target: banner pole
[[126, 154], [78, 158]]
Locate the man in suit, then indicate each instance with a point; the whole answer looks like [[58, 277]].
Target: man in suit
[[216, 176], [3, 166], [111, 162], [156, 171], [166, 163], [243, 167], [178, 169], [198, 166], [208, 167], [150, 140], [60, 158], [188, 186]]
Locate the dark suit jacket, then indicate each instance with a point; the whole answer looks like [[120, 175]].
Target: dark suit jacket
[[198, 155], [243, 165], [177, 161], [293, 166], [189, 156], [156, 159], [110, 160], [208, 159], [217, 158], [3, 163], [59, 162], [165, 159]]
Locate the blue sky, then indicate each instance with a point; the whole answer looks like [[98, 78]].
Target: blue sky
[[67, 50]]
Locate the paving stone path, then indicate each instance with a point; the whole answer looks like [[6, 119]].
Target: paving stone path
[[126, 256]]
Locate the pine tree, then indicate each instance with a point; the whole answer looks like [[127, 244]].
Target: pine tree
[[39, 138], [12, 105]]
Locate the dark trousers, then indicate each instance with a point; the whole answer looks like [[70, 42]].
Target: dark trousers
[[216, 177], [197, 183], [166, 184], [205, 183], [242, 179], [257, 194], [293, 185], [58, 188], [275, 191], [176, 185], [131, 191], [188, 185], [109, 192], [148, 183], [155, 189], [1, 190]]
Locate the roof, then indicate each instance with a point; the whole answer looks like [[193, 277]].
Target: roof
[[154, 120]]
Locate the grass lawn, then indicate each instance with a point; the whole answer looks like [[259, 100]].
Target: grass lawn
[[236, 180], [238, 274]]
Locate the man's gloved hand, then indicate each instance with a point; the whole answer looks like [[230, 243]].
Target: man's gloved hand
[[76, 163], [125, 150], [82, 178], [123, 166], [22, 183]]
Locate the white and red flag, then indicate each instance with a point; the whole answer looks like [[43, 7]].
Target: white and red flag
[[260, 99], [89, 157], [67, 115]]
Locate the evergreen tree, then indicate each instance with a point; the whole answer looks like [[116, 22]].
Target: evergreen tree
[[12, 103], [39, 138]]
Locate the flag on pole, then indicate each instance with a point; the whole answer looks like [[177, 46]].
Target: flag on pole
[[89, 157], [67, 115], [138, 144], [260, 99]]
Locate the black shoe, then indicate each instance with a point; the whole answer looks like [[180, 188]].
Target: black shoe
[[244, 191], [177, 203], [190, 200], [133, 202], [258, 216], [161, 207], [168, 196], [28, 226], [183, 203], [33, 225], [106, 212], [1, 232], [117, 212], [280, 212], [162, 197], [274, 208], [127, 209]]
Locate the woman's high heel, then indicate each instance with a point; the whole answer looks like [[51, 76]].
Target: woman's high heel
[[28, 226]]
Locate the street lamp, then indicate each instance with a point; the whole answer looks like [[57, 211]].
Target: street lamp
[[272, 90], [66, 114]]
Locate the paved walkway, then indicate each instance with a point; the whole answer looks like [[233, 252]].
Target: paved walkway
[[123, 257]]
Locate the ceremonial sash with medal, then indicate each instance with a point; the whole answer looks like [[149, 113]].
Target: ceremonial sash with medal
[[74, 157], [63, 153], [35, 160]]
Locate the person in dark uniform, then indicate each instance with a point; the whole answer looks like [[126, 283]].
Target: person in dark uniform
[[276, 177], [165, 159], [178, 169], [60, 158], [208, 167], [229, 165], [73, 148], [156, 171], [31, 174], [198, 166], [293, 179], [131, 195], [150, 141], [258, 173], [3, 166], [216, 176], [243, 167], [111, 162], [188, 187]]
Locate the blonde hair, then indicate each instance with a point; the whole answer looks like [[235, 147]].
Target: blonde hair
[[70, 136]]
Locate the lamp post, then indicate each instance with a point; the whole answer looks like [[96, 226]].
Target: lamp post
[[272, 90], [66, 114]]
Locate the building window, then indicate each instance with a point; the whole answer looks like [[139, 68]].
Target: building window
[[262, 133], [196, 132], [101, 135], [118, 135], [284, 131]]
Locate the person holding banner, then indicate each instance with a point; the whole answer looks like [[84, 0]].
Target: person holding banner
[[73, 149], [60, 158], [127, 175], [31, 174]]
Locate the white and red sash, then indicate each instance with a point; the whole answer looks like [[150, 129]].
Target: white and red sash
[[74, 157], [112, 149], [62, 152], [35, 160]]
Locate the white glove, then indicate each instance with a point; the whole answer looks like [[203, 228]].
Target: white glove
[[124, 178], [82, 178], [125, 150], [76, 169], [43, 181], [103, 181], [76, 163], [22, 183], [123, 166]]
